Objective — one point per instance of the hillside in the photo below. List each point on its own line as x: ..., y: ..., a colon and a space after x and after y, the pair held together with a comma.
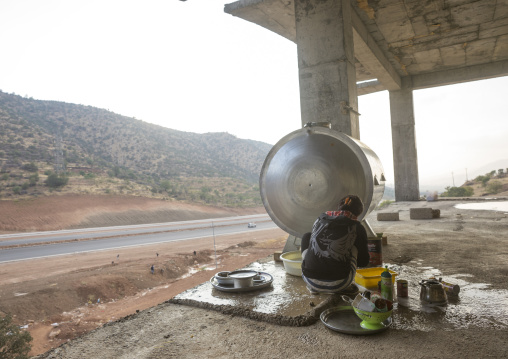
x: 99, y: 152
x: 492, y: 183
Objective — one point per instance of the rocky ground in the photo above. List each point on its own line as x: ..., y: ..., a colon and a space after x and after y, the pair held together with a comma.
x: 460, y: 242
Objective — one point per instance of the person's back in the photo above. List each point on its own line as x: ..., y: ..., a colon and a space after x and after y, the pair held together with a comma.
x: 334, y: 248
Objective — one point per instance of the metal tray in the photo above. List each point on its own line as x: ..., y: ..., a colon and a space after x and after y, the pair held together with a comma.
x: 266, y: 281
x: 343, y: 319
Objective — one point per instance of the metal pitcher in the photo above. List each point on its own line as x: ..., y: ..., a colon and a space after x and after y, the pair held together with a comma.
x: 432, y: 292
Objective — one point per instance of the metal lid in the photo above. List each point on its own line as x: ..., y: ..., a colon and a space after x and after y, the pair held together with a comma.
x: 309, y: 170
x: 241, y: 274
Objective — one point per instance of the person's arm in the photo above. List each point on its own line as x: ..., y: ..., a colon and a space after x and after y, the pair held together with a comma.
x: 305, y: 241
x: 361, y: 244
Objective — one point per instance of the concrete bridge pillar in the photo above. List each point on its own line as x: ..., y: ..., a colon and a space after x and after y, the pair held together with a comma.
x: 405, y: 159
x: 326, y: 63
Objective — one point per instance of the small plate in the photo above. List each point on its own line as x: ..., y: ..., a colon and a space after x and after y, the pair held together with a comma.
x: 343, y: 319
x: 265, y: 280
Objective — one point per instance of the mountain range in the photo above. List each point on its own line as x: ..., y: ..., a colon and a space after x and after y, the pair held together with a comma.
x: 57, y: 137
x: 106, y: 153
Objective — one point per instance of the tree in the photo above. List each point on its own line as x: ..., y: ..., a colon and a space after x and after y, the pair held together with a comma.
x: 483, y: 179
x: 494, y: 187
x: 458, y: 192
x: 30, y: 167
x: 55, y: 180
x: 166, y: 185
x: 14, y: 343
x: 33, y: 179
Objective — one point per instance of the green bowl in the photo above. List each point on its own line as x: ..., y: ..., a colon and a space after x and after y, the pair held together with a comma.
x: 372, y: 320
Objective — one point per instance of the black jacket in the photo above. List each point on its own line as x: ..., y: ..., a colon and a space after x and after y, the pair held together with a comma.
x: 333, y: 243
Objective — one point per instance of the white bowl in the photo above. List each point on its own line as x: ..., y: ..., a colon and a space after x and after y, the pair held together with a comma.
x: 292, y: 262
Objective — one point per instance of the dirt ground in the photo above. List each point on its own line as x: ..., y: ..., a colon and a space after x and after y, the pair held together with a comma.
x: 58, y: 299
x: 49, y: 213
x: 81, y: 292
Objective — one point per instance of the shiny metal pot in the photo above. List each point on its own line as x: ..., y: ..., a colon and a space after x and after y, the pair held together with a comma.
x: 309, y: 170
x: 432, y: 292
x: 243, y: 278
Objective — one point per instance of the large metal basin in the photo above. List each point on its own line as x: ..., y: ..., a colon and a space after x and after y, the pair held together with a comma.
x: 309, y: 170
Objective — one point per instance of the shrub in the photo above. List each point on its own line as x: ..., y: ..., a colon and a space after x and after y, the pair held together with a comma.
x: 383, y: 204
x: 30, y: 167
x: 494, y: 187
x: 458, y: 192
x: 54, y: 180
x: 14, y: 343
x: 483, y: 179
x: 33, y: 179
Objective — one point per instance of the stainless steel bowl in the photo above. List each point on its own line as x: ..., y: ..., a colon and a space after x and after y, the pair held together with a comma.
x: 223, y: 278
x: 243, y: 278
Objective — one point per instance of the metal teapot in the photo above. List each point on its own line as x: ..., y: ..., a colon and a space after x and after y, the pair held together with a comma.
x: 432, y: 292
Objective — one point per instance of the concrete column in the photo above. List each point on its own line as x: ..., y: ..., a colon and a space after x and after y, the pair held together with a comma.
x: 405, y: 159
x: 326, y: 63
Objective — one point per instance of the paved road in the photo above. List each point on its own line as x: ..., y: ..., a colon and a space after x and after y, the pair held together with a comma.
x: 36, y: 245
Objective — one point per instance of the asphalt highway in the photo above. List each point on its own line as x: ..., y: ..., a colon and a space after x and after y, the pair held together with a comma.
x: 24, y: 246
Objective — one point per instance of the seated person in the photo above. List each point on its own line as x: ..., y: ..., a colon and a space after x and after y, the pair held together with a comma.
x: 334, y: 249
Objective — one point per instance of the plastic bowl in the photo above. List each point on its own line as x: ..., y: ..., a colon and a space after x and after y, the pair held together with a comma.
x: 292, y: 262
x: 372, y: 320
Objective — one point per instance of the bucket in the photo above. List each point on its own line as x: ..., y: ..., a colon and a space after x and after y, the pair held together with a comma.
x: 375, y: 248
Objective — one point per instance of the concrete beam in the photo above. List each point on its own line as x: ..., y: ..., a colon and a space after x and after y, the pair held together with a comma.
x: 275, y: 15
x: 279, y: 17
x: 371, y: 57
x: 367, y: 87
x: 460, y: 75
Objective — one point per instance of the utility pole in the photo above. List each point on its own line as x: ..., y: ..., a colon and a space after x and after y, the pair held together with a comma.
x: 466, y: 175
x: 453, y: 180
x: 214, y: 248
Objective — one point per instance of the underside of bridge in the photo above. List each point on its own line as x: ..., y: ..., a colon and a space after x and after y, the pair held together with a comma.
x: 348, y: 48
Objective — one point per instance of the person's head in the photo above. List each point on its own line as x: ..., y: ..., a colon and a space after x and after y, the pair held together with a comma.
x: 352, y: 204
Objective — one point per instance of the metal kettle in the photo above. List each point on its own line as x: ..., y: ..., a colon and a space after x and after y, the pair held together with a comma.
x: 432, y: 292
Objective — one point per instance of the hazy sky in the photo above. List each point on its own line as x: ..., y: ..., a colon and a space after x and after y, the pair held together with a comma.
x: 191, y: 67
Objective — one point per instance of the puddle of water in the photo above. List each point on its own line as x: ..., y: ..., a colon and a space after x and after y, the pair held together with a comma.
x: 500, y: 206
x: 287, y: 296
x: 476, y: 305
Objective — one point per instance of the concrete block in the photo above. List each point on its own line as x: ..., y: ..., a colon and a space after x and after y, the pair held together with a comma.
x: 388, y: 216
x: 436, y: 213
x: 420, y: 213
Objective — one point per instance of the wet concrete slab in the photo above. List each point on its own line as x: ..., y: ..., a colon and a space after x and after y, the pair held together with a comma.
x: 288, y: 302
x: 476, y: 305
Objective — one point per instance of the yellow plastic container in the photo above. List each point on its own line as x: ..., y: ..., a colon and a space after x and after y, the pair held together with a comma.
x: 369, y: 277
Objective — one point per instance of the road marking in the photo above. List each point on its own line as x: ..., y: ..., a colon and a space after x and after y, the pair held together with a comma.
x: 135, y: 245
